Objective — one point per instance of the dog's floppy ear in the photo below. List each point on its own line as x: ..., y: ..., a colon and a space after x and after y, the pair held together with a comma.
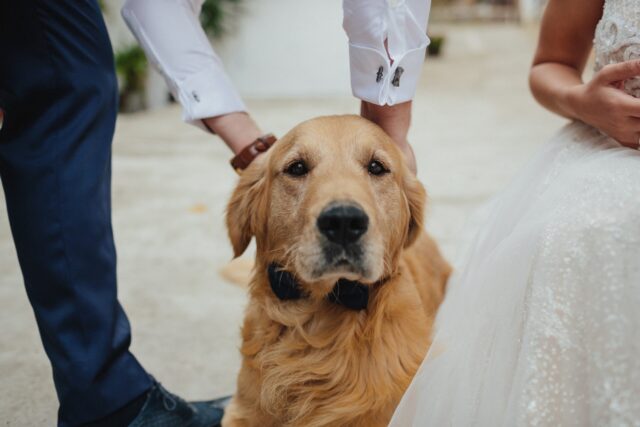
x: 244, y: 207
x: 416, y: 198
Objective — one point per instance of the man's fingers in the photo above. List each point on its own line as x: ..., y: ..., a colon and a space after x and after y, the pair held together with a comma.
x: 618, y: 72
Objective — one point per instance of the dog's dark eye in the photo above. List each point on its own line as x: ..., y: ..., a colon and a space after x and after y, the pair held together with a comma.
x: 377, y: 168
x: 298, y: 168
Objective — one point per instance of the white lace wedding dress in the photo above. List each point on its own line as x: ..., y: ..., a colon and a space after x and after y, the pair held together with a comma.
x: 541, y: 324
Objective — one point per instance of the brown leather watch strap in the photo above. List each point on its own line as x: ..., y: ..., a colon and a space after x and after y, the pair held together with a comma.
x: 244, y: 158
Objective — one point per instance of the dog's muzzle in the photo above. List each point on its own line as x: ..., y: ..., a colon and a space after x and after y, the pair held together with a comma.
x: 342, y: 226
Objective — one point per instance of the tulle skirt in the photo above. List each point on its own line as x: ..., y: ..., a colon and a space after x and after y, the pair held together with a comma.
x: 541, y: 323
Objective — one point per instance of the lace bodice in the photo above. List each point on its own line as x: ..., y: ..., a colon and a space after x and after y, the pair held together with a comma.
x: 618, y: 37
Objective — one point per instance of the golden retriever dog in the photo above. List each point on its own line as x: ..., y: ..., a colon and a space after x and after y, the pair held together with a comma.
x: 346, y: 283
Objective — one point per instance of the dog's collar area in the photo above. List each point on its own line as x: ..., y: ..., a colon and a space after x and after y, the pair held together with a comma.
x: 350, y: 294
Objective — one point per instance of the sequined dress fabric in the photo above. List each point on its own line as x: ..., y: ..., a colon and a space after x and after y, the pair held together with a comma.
x: 618, y: 37
x: 541, y: 323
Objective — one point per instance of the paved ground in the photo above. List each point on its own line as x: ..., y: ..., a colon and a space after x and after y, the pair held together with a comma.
x: 474, y: 126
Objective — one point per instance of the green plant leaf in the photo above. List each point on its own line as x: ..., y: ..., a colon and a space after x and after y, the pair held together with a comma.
x: 214, y: 15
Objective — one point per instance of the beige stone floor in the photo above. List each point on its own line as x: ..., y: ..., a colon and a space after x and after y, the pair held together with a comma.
x: 474, y: 127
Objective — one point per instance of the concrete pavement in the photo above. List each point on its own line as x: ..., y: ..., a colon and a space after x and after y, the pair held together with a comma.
x: 475, y: 125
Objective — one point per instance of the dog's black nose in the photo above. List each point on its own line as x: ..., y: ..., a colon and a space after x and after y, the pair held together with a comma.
x: 343, y: 224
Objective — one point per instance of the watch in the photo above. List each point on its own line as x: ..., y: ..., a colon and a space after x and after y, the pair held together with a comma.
x: 244, y: 158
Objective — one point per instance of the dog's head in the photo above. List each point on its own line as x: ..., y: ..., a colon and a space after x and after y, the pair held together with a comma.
x: 332, y: 199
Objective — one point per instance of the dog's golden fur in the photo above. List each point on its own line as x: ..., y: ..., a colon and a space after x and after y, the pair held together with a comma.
x: 310, y: 362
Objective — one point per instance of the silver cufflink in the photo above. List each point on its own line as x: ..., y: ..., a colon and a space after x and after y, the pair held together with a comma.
x: 379, y: 74
x: 396, y: 76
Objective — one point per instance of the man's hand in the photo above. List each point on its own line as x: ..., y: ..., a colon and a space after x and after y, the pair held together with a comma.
x: 395, y: 120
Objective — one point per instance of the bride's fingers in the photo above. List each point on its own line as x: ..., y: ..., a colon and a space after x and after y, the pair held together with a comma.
x: 629, y: 144
x: 617, y: 72
x: 630, y: 137
x: 630, y: 105
x: 633, y: 124
x: 636, y: 135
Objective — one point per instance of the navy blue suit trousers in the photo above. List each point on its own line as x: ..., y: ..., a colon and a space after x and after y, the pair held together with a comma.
x: 59, y: 93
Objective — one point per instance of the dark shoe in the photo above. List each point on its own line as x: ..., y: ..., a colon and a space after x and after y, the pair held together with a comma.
x: 163, y: 409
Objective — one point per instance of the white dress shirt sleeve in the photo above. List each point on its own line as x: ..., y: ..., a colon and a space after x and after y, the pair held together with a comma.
x: 386, y: 76
x: 170, y: 33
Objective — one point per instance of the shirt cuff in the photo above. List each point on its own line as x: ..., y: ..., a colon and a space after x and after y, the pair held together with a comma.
x: 374, y: 80
x: 208, y: 93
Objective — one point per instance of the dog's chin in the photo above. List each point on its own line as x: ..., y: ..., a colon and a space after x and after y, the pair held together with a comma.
x: 322, y: 271
x: 321, y: 265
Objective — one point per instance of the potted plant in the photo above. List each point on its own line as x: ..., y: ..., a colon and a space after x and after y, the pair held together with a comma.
x: 435, y: 47
x: 214, y: 14
x: 131, y: 67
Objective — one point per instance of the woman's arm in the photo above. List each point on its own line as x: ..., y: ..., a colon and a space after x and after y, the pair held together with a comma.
x: 565, y: 42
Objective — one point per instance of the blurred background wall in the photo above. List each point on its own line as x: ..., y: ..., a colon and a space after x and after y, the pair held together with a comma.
x: 287, y: 48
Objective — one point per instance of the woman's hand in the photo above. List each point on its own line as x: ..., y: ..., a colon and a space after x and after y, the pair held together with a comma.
x: 604, y: 105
